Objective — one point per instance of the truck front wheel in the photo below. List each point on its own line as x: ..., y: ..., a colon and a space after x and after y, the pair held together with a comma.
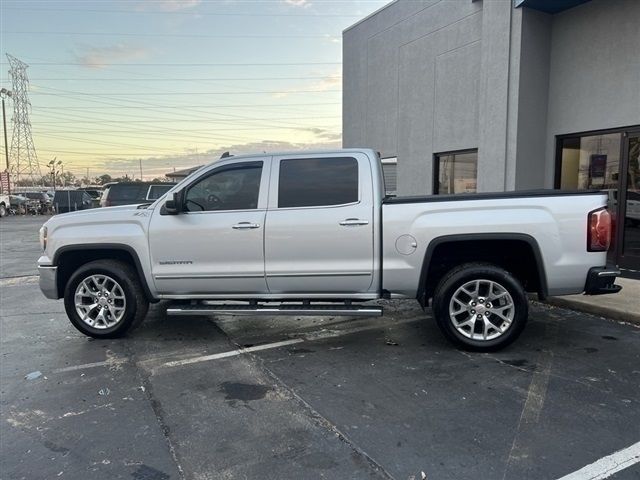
x: 480, y: 307
x: 104, y: 299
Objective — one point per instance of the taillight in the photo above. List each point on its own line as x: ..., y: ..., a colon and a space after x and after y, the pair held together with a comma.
x: 599, y: 230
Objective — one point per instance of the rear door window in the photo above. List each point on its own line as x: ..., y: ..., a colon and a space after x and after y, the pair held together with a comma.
x: 311, y: 182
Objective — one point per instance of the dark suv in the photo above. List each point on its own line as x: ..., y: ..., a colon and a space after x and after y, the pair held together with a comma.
x: 131, y: 193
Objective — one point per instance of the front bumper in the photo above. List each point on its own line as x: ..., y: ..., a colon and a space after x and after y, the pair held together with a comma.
x: 600, y: 281
x: 49, y: 281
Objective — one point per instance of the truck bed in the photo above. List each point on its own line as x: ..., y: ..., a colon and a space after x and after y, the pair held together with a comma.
x: 490, y: 196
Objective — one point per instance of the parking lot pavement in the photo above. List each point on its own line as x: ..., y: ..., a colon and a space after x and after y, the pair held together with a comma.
x: 282, y: 397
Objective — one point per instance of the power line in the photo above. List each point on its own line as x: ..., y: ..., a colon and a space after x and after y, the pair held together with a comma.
x: 199, y: 13
x: 191, y: 79
x: 255, y: 92
x: 284, y: 64
x: 181, y: 107
x: 175, y: 35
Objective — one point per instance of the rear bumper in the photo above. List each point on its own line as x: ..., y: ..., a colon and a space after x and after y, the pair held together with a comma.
x: 49, y: 281
x: 600, y: 281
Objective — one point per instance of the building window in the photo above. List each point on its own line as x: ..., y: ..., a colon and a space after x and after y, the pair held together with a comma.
x: 590, y: 161
x: 455, y: 172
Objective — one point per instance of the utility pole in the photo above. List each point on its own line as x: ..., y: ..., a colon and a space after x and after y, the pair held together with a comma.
x: 5, y: 93
x: 141, y: 177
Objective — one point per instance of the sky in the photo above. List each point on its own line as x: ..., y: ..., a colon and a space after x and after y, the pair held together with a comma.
x: 174, y: 83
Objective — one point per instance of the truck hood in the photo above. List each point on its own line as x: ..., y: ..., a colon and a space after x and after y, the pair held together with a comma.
x: 97, y: 215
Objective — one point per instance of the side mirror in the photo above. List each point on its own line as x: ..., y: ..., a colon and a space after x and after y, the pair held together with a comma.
x: 173, y: 206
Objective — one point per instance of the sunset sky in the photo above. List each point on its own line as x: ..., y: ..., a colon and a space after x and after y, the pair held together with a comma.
x: 177, y: 82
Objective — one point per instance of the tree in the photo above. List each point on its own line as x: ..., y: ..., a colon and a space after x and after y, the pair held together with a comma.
x: 102, y: 179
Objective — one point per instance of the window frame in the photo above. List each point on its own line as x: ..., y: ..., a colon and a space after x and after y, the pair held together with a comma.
x: 274, y: 204
x: 436, y: 168
x: 263, y: 163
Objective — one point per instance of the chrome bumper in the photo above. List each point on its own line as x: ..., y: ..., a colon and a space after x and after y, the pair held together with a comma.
x: 49, y: 281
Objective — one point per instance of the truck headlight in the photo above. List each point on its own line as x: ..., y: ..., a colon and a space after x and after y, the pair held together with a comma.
x: 43, y: 237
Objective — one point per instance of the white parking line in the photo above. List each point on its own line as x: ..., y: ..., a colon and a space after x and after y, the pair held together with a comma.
x: 105, y: 363
x: 607, y: 466
x: 308, y: 337
x: 232, y: 353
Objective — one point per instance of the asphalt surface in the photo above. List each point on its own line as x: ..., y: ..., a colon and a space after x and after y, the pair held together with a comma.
x: 338, y: 399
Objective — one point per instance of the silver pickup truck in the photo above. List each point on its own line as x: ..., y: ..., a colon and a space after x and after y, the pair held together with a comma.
x: 311, y: 233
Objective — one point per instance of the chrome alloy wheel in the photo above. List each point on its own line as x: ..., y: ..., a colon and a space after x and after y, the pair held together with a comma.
x: 100, y: 301
x: 481, y: 310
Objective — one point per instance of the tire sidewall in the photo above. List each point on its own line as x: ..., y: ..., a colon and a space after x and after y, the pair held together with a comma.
x: 129, y: 293
x: 452, y: 282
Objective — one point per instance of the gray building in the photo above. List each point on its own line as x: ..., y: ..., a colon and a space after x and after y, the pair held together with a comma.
x: 495, y: 95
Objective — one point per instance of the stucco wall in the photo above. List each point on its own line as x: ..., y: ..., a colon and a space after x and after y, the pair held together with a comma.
x: 594, y: 80
x: 435, y: 76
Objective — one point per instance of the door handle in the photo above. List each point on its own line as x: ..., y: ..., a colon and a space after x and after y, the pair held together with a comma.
x: 353, y: 222
x: 245, y: 226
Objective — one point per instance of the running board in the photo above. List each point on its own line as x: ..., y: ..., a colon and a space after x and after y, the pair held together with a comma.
x: 288, y: 309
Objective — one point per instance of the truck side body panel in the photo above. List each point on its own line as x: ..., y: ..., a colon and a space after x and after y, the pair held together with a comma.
x: 557, y: 223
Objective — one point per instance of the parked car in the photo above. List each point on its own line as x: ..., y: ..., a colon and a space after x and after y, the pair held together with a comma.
x: 71, y: 200
x: 313, y: 234
x: 19, y: 204
x: 5, y: 205
x: 41, y: 201
x: 132, y: 193
x: 95, y: 195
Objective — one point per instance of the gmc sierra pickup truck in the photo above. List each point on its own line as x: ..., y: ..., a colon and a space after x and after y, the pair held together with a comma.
x: 313, y: 234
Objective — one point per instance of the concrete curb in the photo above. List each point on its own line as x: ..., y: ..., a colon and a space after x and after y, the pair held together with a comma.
x: 601, y: 311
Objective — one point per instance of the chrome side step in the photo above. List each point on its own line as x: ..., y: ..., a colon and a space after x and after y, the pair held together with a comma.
x: 281, y: 309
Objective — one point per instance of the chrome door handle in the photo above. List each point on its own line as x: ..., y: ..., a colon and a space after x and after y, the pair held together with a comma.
x: 353, y: 222
x: 245, y: 226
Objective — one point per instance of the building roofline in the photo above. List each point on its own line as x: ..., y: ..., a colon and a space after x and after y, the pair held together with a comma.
x: 373, y: 14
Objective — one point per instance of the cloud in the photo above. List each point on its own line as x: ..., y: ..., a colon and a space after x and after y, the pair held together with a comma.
x: 99, y: 57
x: 168, y: 5
x: 325, y: 135
x: 158, y: 166
x: 298, y: 3
x: 331, y: 82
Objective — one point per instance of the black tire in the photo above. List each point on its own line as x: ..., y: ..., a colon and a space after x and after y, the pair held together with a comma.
x: 135, y: 308
x: 3, y: 210
x: 457, y: 278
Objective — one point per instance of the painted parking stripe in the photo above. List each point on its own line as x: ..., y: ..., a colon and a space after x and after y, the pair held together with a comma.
x: 308, y: 337
x: 607, y: 466
x: 84, y: 366
x: 232, y: 353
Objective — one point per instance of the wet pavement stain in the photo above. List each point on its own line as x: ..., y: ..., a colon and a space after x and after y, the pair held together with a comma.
x: 609, y: 337
x: 144, y: 472
x: 299, y: 350
x: 244, y: 392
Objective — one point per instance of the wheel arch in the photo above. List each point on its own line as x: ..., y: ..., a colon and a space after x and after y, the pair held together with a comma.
x: 497, y: 248
x: 70, y: 257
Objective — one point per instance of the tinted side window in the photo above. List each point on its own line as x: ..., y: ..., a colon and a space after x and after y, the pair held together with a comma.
x: 309, y: 182
x: 230, y: 188
x: 128, y: 192
x: 156, y: 191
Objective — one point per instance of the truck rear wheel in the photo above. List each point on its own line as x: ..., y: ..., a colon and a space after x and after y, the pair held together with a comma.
x: 480, y: 307
x: 104, y: 299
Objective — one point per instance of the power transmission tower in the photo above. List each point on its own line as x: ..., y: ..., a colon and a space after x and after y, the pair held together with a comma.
x: 24, y: 160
